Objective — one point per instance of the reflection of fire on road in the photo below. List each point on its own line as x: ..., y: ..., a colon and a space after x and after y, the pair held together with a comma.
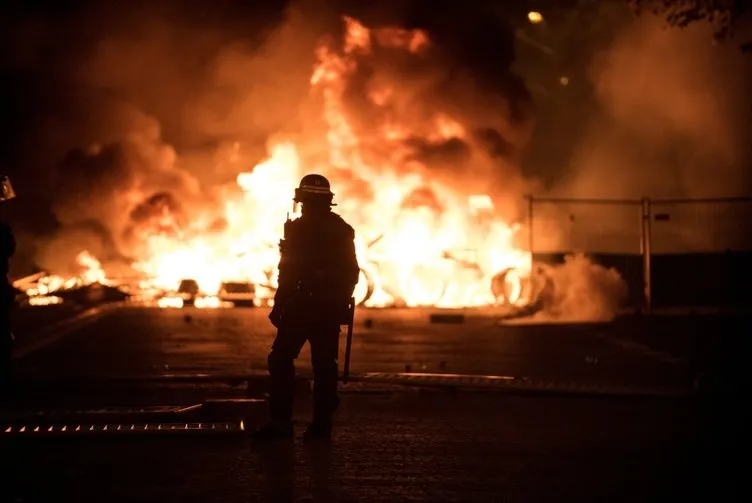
x: 420, y: 238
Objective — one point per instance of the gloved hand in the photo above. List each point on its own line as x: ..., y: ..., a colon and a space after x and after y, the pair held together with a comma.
x: 342, y: 293
x: 275, y: 316
x: 340, y: 305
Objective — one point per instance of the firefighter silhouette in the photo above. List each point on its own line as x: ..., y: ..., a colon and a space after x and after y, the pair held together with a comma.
x: 7, y: 249
x: 318, y: 271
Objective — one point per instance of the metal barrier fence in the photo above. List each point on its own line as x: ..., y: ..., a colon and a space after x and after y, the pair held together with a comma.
x: 700, y: 225
x: 639, y: 227
x: 591, y: 225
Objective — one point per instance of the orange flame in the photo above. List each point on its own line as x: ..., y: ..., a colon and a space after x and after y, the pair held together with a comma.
x: 93, y: 272
x: 420, y: 241
x: 40, y: 290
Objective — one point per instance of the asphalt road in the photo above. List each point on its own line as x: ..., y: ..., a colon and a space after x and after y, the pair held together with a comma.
x: 145, y: 341
x: 391, y: 443
x: 399, y: 447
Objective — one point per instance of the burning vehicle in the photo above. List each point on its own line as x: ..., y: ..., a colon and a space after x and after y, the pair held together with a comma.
x: 188, y: 291
x: 239, y: 293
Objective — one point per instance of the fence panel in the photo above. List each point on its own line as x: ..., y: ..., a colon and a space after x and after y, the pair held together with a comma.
x: 609, y: 231
x: 701, y: 225
x: 590, y: 226
x: 701, y: 252
x: 671, y: 253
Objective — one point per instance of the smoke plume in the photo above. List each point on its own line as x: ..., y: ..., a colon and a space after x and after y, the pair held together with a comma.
x: 674, y: 120
x: 137, y: 121
x: 671, y: 121
x: 577, y: 291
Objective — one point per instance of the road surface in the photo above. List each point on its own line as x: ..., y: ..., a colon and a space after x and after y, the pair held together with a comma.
x: 142, y: 341
x: 392, y: 443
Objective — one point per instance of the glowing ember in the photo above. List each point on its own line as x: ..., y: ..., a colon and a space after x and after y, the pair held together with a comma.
x: 45, y: 300
x: 39, y: 287
x: 173, y: 302
x: 419, y: 240
x: 49, y: 284
x: 208, y: 302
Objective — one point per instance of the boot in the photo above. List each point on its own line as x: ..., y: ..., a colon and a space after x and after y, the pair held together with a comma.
x: 318, y: 430
x: 274, y: 431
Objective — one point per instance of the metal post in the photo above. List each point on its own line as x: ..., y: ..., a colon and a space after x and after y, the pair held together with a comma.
x: 348, y: 346
x: 530, y: 242
x: 645, y: 248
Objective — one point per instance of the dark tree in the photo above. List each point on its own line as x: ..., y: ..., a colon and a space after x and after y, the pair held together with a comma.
x: 726, y: 16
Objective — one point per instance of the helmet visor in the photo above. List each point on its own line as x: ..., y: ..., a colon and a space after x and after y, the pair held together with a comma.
x: 304, y: 195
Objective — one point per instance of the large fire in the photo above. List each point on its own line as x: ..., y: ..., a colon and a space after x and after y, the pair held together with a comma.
x: 420, y: 240
x: 90, y: 271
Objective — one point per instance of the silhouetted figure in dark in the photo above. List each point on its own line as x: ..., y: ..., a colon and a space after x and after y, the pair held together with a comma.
x: 7, y: 294
x: 318, y: 271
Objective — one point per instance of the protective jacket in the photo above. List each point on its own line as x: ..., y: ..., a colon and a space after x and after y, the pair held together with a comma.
x: 318, y: 267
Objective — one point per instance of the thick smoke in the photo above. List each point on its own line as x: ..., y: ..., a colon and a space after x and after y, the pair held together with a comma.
x: 673, y: 121
x: 580, y: 290
x: 141, y: 123
x: 138, y: 120
x: 577, y: 291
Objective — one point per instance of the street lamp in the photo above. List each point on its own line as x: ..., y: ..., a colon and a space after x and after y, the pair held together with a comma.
x: 535, y: 17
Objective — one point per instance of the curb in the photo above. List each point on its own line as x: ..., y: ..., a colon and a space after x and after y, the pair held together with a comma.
x: 506, y: 383
x: 456, y: 381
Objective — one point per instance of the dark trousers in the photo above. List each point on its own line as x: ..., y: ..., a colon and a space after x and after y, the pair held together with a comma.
x: 324, y: 341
